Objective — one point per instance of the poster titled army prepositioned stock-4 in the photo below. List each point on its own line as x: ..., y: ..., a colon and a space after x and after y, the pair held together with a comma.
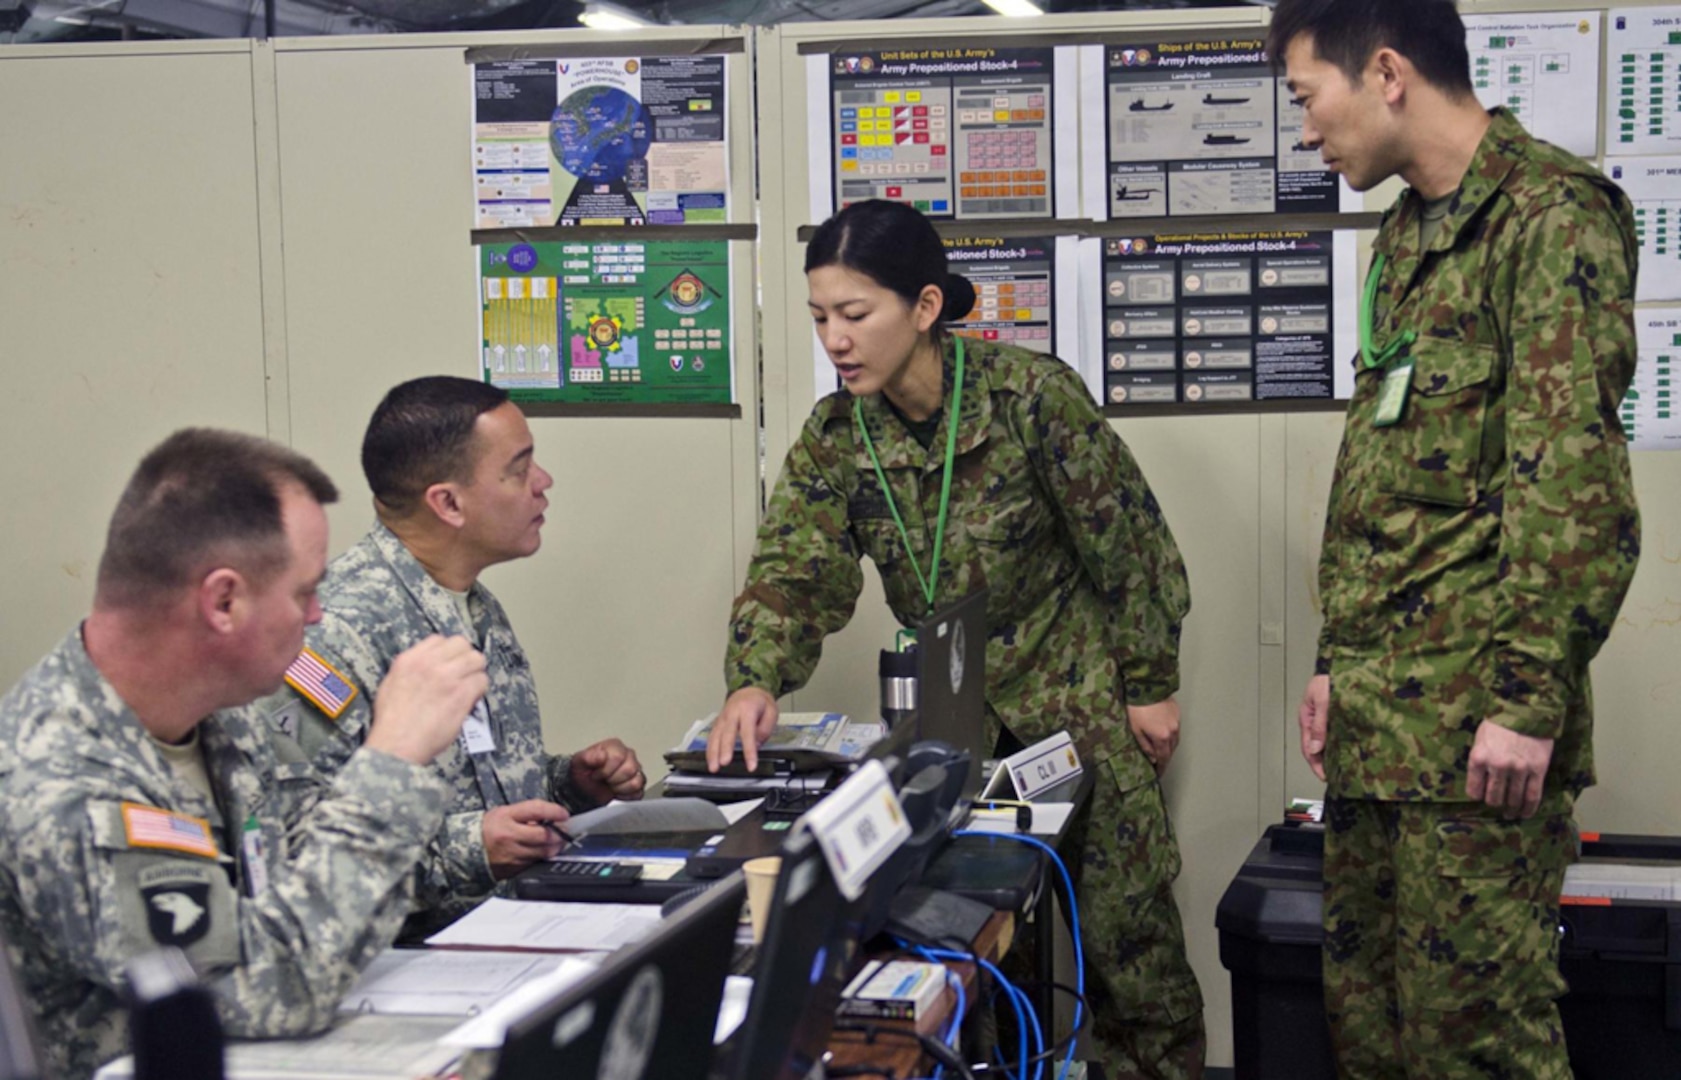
x: 602, y: 140
x: 1227, y: 317
x: 607, y: 321
x: 1199, y: 128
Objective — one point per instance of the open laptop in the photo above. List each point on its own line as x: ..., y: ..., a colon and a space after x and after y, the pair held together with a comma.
x: 809, y: 952
x: 648, y: 1012
x: 951, y: 681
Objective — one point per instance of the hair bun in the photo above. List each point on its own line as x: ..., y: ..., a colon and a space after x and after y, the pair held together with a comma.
x: 960, y: 298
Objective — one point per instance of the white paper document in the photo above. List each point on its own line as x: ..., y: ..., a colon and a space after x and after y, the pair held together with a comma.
x: 545, y: 926
x: 1653, y: 184
x: 357, y: 1048
x: 489, y: 1029
x: 441, y: 982
x: 1651, y: 410
x: 1544, y: 67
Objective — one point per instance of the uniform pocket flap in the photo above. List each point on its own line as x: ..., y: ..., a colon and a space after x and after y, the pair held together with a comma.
x: 1442, y: 366
x: 1492, y: 848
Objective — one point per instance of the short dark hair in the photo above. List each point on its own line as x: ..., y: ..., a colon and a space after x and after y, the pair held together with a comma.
x: 422, y: 434
x: 894, y: 246
x: 1346, y: 33
x: 202, y: 497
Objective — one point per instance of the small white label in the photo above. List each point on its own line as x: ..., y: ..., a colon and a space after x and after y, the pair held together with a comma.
x: 475, y: 731
x: 256, y: 860
x: 858, y: 827
x: 1043, y: 765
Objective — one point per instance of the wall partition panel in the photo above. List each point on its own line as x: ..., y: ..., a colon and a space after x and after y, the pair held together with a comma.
x: 131, y: 294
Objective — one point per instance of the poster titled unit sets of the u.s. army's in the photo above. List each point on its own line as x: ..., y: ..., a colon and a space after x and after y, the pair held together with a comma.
x: 604, y: 140
x: 1544, y: 67
x: 954, y: 132
x: 1205, y: 127
x: 1232, y: 316
x: 607, y: 321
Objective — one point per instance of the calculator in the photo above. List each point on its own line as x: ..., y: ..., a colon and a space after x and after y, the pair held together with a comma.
x: 595, y: 872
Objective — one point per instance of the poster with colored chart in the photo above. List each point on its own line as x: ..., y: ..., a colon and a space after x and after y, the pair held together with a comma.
x: 607, y: 321
x: 1652, y: 409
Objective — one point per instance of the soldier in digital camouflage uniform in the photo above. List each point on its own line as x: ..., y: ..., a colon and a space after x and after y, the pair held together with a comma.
x: 457, y: 488
x: 139, y: 808
x: 1481, y: 533
x: 1050, y: 513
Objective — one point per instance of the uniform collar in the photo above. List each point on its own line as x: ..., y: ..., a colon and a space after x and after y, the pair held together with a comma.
x: 433, y: 599
x: 1502, y: 148
x: 111, y: 720
x: 893, y: 441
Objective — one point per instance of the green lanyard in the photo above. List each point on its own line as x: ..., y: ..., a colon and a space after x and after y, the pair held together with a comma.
x: 1368, y: 315
x: 928, y: 583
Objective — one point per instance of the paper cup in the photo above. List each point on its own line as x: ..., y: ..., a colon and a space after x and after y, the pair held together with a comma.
x: 761, y: 886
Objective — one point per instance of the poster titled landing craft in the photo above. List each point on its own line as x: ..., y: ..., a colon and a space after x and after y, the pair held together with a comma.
x: 603, y: 140
x: 1205, y: 127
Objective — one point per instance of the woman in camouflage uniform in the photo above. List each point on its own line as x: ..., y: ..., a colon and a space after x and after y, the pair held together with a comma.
x: 1048, y: 511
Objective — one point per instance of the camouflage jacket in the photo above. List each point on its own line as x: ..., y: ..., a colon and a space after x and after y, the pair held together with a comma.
x: 1048, y: 511
x: 1476, y: 551
x: 377, y: 600
x: 280, y: 892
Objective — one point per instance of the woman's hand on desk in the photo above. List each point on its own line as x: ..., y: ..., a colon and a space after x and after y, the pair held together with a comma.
x: 749, y: 714
x: 519, y: 835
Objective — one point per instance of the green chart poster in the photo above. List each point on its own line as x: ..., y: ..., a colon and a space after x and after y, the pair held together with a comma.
x: 607, y: 321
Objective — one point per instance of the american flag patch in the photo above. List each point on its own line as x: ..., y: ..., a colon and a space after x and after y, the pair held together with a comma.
x: 321, y: 683
x: 149, y: 827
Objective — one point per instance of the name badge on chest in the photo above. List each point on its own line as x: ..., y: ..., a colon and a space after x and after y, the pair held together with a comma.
x: 1392, y: 395
x: 476, y: 736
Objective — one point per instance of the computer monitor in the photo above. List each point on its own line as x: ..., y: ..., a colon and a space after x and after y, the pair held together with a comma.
x: 648, y: 1013
x: 951, y: 681
x: 809, y: 952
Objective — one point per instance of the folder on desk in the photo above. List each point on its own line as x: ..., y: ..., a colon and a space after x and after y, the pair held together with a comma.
x: 801, y: 743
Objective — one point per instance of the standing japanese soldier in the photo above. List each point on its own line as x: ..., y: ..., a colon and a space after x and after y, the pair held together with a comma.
x: 1481, y: 533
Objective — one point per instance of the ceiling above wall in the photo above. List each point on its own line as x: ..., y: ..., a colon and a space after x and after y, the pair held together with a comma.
x: 26, y: 21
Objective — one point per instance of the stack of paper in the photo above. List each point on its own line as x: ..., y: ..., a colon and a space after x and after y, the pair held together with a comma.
x: 548, y: 927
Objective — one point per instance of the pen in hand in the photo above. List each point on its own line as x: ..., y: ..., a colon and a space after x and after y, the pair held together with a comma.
x: 560, y: 832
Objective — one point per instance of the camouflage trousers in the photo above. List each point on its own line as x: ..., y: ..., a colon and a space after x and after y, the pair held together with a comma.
x: 1441, y: 940
x: 1146, y: 1006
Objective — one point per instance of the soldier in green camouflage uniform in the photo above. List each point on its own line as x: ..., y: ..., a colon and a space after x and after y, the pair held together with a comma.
x: 1481, y: 533
x: 380, y: 597
x: 132, y: 818
x: 1086, y: 592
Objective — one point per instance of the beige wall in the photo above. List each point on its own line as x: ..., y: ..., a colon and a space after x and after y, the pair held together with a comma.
x: 267, y: 237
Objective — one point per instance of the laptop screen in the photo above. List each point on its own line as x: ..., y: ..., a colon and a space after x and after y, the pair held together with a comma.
x: 648, y: 1012
x: 951, y: 681
x: 809, y: 952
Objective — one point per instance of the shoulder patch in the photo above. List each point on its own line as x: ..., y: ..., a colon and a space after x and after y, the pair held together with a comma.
x: 323, y: 684
x: 149, y: 827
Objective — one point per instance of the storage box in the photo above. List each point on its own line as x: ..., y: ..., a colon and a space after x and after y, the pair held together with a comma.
x: 1622, y: 959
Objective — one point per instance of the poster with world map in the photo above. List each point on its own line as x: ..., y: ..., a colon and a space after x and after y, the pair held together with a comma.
x: 600, y: 140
